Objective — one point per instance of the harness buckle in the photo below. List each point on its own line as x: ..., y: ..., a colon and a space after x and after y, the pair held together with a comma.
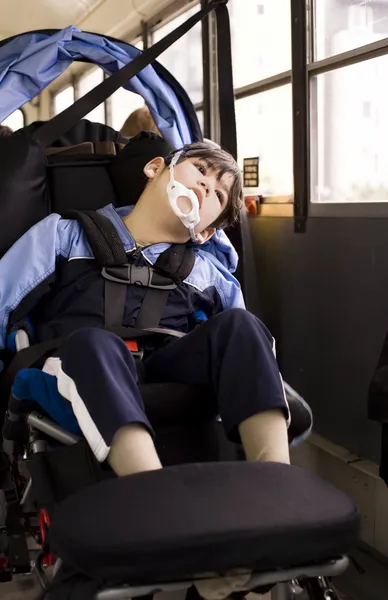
x: 142, y: 276
x: 134, y: 348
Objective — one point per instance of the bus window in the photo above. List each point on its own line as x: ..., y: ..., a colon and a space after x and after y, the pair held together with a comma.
x: 63, y: 99
x: 86, y: 83
x: 269, y: 116
x: 184, y: 58
x: 15, y: 121
x: 261, y: 39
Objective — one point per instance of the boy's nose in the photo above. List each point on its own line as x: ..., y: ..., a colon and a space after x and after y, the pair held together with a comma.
x: 206, y: 187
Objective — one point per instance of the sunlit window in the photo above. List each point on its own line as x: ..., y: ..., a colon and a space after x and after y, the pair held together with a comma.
x: 342, y: 26
x: 15, y: 121
x: 261, y: 39
x: 63, y: 99
x: 264, y: 129
x: 184, y: 58
x: 85, y: 84
x: 349, y: 149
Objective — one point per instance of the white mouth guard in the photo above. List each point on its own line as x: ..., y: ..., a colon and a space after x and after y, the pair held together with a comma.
x: 176, y: 190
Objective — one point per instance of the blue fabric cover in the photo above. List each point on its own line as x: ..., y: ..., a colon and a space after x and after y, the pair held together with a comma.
x: 34, y: 384
x: 30, y: 62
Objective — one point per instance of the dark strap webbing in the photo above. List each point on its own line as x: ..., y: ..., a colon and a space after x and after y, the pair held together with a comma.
x: 27, y: 357
x: 115, y: 295
x: 102, y: 236
x: 176, y: 262
x: 108, y: 251
x: 61, y: 123
x: 383, y: 470
x: 225, y: 82
x: 126, y: 333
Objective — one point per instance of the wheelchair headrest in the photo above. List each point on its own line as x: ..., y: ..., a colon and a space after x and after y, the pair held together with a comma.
x: 88, y: 168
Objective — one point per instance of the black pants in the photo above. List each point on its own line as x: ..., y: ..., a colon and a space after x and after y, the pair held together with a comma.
x: 232, y: 353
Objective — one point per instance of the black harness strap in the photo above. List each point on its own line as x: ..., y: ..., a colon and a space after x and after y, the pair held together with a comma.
x: 169, y: 271
x: 177, y: 263
x: 30, y: 356
x: 225, y: 82
x: 102, y: 236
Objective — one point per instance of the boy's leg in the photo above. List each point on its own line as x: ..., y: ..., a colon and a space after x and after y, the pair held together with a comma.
x: 96, y: 373
x: 233, y: 354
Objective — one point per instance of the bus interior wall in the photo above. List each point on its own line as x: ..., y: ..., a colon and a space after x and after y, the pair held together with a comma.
x: 324, y: 296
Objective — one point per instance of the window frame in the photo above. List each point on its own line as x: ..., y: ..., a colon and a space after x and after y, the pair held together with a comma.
x: 320, y: 67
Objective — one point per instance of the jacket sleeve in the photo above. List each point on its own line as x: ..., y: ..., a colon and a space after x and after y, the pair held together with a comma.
x: 230, y: 292
x: 28, y: 263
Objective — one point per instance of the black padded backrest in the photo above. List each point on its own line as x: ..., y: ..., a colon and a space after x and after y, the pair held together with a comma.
x: 23, y: 187
x: 90, y: 181
x: 80, y: 182
x: 33, y: 185
x: 126, y: 170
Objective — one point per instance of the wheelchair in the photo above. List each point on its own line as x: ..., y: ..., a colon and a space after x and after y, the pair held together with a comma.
x: 206, y: 514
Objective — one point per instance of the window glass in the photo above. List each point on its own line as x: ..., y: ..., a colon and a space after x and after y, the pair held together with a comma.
x: 63, y: 99
x: 261, y: 39
x: 86, y: 83
x: 184, y: 58
x: 264, y: 129
x: 342, y: 26
x: 349, y: 149
x: 15, y: 120
x: 122, y: 104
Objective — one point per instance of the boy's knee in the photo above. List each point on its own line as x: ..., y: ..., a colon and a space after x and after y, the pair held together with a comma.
x: 92, y: 338
x: 240, y: 322
x: 236, y: 318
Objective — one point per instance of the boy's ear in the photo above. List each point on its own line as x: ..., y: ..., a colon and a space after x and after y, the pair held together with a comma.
x: 205, y: 235
x: 153, y: 167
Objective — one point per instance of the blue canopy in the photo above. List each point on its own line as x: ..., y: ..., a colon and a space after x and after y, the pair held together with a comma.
x: 30, y: 62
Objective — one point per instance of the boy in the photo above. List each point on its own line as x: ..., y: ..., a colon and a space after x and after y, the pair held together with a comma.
x: 191, y: 194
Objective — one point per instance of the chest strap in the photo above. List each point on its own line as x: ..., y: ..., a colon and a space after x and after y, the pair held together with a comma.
x: 169, y: 271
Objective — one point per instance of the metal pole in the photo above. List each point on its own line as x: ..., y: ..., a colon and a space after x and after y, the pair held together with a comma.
x: 300, y: 113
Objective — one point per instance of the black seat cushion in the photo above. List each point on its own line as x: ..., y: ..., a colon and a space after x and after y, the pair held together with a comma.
x: 185, y: 520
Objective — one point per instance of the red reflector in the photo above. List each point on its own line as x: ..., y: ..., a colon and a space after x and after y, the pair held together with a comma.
x: 132, y: 346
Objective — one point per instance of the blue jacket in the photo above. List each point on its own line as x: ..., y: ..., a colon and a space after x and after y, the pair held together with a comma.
x: 50, y: 275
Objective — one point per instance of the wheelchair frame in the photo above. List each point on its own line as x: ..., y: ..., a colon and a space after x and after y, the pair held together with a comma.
x: 313, y: 581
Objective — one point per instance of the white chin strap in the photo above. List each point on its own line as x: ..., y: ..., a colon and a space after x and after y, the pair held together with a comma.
x: 176, y: 190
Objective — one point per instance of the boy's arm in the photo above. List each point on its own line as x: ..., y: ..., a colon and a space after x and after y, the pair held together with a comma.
x: 27, y: 269
x: 229, y: 291
x: 231, y: 294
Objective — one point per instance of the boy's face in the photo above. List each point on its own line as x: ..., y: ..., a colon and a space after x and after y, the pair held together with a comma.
x: 193, y: 173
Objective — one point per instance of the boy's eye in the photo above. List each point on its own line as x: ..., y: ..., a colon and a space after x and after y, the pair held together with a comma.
x: 219, y: 196
x: 201, y: 168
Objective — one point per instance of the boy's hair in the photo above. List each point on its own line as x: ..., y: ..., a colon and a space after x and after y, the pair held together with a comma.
x: 222, y: 162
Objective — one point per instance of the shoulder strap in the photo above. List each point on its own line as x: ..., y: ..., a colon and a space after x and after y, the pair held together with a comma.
x: 102, y: 236
x: 225, y: 82
x: 176, y: 262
